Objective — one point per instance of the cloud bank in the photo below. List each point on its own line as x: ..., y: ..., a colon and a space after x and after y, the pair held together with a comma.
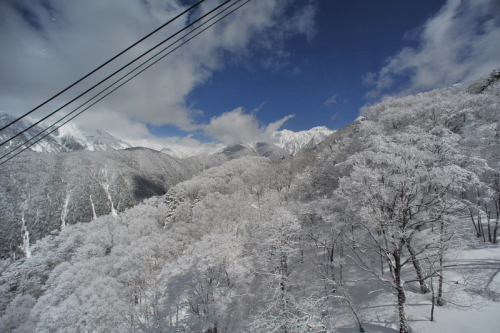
x: 460, y: 43
x: 48, y: 44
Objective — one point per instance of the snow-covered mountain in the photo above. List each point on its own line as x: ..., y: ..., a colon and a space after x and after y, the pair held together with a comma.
x: 75, y: 137
x: 265, y: 149
x: 295, y: 141
x: 281, y: 143
x: 68, y: 138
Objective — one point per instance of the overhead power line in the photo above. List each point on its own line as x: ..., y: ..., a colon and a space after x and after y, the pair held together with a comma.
x: 102, y: 66
x: 114, y: 73
x: 123, y: 83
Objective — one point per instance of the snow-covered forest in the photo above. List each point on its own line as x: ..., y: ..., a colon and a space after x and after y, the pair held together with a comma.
x: 42, y: 192
x: 374, y: 217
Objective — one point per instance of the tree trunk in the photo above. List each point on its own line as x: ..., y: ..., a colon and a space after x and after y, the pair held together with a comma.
x: 439, y: 300
x: 480, y: 225
x: 433, y: 300
x: 331, y: 264
x: 403, y: 323
x: 418, y: 269
x: 479, y: 220
x: 495, y: 230
x: 488, y: 217
x: 341, y: 262
x: 478, y: 233
x: 497, y: 208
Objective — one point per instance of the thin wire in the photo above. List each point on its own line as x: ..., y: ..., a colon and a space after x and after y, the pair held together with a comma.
x: 76, y: 115
x: 124, y: 76
x: 116, y: 72
x: 101, y: 66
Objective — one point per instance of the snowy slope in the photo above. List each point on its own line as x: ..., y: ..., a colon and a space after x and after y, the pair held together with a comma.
x: 75, y: 137
x: 68, y: 138
x: 48, y: 144
x: 55, y: 189
x: 273, y: 152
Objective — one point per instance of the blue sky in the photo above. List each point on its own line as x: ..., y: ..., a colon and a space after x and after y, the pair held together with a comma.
x: 291, y: 64
x: 352, y: 38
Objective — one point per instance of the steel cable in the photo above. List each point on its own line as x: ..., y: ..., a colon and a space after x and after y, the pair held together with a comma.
x: 114, y: 73
x: 103, y: 65
x: 163, y: 56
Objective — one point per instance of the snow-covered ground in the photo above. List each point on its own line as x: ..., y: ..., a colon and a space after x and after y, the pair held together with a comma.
x: 472, y: 290
x: 478, y: 308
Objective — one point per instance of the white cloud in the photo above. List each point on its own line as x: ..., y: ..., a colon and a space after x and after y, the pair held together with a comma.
x: 233, y: 127
x: 331, y: 100
x: 47, y: 45
x: 460, y: 43
x: 115, y: 124
x: 237, y: 126
x: 273, y: 127
x: 188, y: 141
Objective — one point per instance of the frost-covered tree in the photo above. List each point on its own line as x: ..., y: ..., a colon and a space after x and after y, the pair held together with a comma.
x: 274, y: 248
x: 394, y: 191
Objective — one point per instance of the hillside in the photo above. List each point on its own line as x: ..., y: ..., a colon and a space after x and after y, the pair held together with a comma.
x: 387, y: 222
x: 42, y: 192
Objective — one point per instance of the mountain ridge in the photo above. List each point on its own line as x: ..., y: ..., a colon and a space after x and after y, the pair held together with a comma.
x: 280, y: 143
x: 72, y: 137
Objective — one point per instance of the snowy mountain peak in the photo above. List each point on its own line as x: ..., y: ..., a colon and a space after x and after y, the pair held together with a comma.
x: 75, y: 137
x: 294, y: 141
x: 69, y: 137
x: 279, y: 144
